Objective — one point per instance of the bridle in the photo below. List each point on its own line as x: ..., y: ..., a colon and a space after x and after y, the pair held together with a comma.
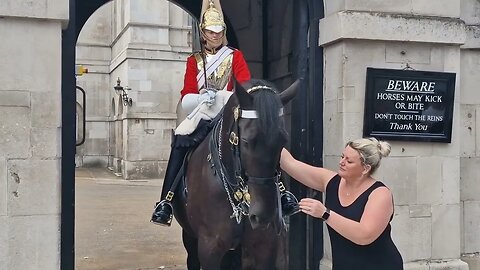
x: 237, y: 188
x: 233, y: 139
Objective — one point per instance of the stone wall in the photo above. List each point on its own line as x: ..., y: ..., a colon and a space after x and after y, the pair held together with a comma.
x: 436, y: 206
x: 435, y: 185
x: 30, y: 131
x: 94, y: 52
x: 470, y: 134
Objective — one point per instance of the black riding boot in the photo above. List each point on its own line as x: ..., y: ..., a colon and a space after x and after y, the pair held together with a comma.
x: 288, y: 200
x: 162, y: 215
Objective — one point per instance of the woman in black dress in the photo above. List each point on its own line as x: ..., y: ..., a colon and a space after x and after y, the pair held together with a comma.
x: 357, y: 210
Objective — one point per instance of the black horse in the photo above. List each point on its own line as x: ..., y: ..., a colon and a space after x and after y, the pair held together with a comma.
x: 229, y: 207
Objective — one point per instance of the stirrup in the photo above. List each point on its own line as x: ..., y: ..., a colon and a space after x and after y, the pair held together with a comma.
x: 157, y: 219
x: 162, y: 202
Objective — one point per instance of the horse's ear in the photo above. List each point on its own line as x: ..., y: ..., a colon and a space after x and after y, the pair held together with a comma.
x: 289, y: 93
x: 245, y: 85
x: 244, y: 98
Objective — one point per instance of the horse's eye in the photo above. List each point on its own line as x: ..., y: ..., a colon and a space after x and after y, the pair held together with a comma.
x: 245, y: 141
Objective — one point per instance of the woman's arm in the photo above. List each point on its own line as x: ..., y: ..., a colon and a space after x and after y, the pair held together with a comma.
x: 375, y: 218
x: 311, y: 176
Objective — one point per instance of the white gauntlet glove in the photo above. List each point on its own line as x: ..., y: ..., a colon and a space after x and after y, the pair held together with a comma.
x: 191, y: 101
x: 209, y: 97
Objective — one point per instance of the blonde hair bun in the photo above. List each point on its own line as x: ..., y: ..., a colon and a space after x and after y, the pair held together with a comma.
x: 384, y: 147
x: 371, y: 151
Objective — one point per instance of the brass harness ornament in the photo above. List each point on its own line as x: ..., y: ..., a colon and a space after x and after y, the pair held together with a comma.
x: 241, y: 195
x: 233, y: 136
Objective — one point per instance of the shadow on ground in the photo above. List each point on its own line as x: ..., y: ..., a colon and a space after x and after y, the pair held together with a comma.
x: 113, y: 231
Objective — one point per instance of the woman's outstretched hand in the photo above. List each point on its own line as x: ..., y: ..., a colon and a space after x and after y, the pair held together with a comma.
x: 312, y: 207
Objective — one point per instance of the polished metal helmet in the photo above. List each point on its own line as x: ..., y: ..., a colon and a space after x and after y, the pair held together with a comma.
x: 212, y: 18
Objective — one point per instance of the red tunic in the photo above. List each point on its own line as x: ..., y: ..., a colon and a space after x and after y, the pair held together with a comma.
x: 239, y: 70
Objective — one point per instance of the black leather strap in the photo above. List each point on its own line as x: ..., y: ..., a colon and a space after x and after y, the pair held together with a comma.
x: 326, y: 214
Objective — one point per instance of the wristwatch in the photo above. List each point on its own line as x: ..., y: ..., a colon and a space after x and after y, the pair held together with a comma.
x: 326, y: 214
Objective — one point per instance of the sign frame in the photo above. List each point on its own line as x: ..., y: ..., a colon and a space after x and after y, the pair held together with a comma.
x: 405, y: 130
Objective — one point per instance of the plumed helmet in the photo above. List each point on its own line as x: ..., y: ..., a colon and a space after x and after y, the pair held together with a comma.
x: 212, y: 19
x: 212, y: 16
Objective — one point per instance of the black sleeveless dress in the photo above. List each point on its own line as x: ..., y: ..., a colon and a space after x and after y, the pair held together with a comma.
x: 382, y: 254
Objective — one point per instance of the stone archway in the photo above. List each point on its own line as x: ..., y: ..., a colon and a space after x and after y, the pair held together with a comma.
x: 142, y: 46
x: 252, y: 33
x: 108, y: 111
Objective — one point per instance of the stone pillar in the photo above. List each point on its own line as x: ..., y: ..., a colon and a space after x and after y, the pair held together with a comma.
x: 424, y: 177
x: 470, y: 133
x: 30, y: 131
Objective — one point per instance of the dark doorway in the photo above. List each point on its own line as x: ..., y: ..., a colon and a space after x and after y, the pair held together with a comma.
x: 280, y: 40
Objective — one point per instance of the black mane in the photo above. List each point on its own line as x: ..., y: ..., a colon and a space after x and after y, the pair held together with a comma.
x: 268, y: 106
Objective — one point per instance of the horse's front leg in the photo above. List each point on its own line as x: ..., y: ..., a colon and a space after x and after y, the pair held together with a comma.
x: 259, y: 249
x: 191, y: 245
x: 266, y: 260
x: 210, y: 253
x: 232, y: 260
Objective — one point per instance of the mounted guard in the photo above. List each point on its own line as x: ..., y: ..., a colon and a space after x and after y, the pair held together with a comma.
x: 208, y: 85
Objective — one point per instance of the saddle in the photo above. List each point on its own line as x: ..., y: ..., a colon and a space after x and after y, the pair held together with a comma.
x: 191, y: 141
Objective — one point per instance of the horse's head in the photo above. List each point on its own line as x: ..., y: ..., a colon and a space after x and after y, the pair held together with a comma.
x: 259, y: 134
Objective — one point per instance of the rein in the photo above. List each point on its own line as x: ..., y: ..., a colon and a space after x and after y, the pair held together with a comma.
x: 237, y: 188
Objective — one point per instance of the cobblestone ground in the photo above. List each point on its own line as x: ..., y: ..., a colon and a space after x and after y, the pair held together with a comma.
x: 113, y: 231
